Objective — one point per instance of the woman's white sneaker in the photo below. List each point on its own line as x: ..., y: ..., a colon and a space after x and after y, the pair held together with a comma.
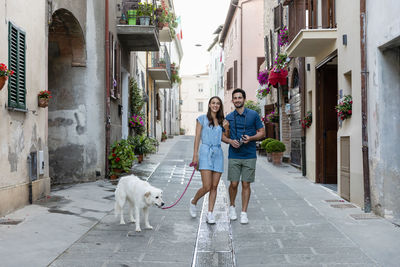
x: 210, y: 218
x: 243, y: 218
x: 192, y: 209
x: 232, y: 213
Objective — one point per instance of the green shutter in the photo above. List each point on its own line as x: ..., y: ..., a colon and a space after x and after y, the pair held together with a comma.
x: 16, y: 62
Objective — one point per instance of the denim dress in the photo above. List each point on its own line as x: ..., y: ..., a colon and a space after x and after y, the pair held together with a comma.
x: 211, y: 156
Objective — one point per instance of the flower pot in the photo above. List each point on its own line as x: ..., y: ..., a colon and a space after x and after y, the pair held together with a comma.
x: 131, y: 14
x: 43, y: 102
x: 278, y: 76
x: 140, y: 158
x: 269, y: 157
x: 160, y: 25
x: 144, y: 20
x: 3, y: 80
x: 277, y: 158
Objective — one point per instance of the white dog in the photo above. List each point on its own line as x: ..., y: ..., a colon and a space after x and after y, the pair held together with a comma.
x: 140, y: 195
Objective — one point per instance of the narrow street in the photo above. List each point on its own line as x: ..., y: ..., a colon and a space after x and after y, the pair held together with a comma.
x: 292, y: 223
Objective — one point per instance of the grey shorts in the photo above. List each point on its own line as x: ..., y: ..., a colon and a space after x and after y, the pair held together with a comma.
x: 242, y: 170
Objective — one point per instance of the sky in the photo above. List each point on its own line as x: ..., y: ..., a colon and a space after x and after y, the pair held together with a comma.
x: 199, y: 20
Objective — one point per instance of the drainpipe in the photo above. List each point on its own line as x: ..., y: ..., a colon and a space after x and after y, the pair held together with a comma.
x: 108, y: 118
x: 302, y: 83
x: 364, y: 106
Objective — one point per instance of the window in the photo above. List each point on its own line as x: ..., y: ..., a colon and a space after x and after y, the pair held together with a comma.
x: 16, y: 62
x: 200, y: 106
x: 278, y: 12
x: 200, y: 87
x: 260, y: 61
x: 229, y: 79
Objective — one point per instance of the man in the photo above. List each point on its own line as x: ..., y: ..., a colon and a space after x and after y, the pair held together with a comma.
x: 245, y: 127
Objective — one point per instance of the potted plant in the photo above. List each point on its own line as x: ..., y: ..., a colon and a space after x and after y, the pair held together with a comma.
x: 136, y: 122
x: 141, y: 145
x: 307, y: 120
x: 145, y: 12
x: 164, y: 136
x: 43, y: 98
x: 344, y: 109
x: 264, y: 144
x: 121, y: 157
x: 272, y: 117
x: 263, y: 92
x: 4, y: 74
x: 161, y: 63
x: 276, y: 148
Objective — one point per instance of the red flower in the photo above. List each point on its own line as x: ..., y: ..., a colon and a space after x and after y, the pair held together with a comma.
x: 113, y: 154
x: 117, y: 159
x: 349, y: 111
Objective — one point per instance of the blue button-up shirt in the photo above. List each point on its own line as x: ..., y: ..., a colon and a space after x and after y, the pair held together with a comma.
x: 246, y: 123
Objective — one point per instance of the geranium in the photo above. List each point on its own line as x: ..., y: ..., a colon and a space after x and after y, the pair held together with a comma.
x: 121, y: 156
x: 307, y: 120
x: 136, y: 121
x: 263, y: 92
x: 4, y: 72
x: 344, y: 108
x: 283, y: 37
x: 271, y: 117
x: 263, y: 77
x: 45, y: 94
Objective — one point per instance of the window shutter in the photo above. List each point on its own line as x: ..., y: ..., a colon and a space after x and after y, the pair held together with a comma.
x: 266, y: 51
x: 278, y: 12
x: 16, y: 57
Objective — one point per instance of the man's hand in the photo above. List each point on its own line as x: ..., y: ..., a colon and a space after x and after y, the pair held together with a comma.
x: 234, y: 143
x: 246, y: 138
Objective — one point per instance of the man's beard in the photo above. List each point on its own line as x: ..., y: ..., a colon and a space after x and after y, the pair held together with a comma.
x: 239, y: 105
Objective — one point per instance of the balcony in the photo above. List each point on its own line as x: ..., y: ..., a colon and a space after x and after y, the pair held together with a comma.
x: 132, y: 35
x: 308, y: 36
x: 311, y: 42
x: 160, y: 68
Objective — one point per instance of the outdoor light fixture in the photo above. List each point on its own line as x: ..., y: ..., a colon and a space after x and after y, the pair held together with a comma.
x: 344, y: 39
x: 308, y: 67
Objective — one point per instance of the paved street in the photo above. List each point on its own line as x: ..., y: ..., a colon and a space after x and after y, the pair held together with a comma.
x: 292, y: 223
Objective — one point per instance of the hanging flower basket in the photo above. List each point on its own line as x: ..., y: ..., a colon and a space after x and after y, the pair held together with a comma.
x: 43, y: 98
x: 263, y: 92
x: 43, y: 102
x: 307, y: 120
x: 344, y: 109
x: 3, y: 80
x: 263, y: 77
x: 278, y: 76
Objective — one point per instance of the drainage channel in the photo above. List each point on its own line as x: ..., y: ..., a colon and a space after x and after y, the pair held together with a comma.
x: 214, y: 246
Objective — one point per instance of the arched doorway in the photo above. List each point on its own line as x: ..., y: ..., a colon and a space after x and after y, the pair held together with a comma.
x: 67, y: 109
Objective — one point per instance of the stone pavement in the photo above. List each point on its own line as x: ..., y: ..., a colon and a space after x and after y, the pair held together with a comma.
x: 293, y: 222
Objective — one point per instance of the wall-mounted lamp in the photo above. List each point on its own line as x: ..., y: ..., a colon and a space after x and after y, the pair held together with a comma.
x: 344, y: 39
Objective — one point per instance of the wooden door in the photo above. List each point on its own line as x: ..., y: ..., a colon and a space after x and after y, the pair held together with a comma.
x: 326, y: 123
x: 345, y: 167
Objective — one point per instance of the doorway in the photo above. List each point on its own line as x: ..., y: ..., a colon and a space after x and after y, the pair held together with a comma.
x: 326, y: 122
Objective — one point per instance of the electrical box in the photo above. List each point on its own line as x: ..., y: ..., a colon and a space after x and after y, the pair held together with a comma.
x: 41, y: 162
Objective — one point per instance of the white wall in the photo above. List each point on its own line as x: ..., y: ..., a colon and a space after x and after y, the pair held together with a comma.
x: 191, y: 97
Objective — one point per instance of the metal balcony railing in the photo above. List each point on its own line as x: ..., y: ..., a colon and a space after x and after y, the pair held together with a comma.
x: 161, y: 59
x: 133, y: 5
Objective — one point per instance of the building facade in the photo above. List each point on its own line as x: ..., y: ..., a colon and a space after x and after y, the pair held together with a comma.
x: 24, y: 144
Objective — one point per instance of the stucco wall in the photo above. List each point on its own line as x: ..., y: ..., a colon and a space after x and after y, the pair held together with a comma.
x: 383, y: 51
x: 23, y: 132
x: 191, y: 96
x: 76, y: 116
x: 349, y: 82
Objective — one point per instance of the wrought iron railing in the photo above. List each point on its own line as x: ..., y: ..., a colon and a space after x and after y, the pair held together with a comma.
x: 161, y: 59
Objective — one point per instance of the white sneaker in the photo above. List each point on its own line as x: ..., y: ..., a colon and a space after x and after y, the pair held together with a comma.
x: 210, y: 218
x: 192, y: 209
x: 232, y: 213
x: 243, y: 218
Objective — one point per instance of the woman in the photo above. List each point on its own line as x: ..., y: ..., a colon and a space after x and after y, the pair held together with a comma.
x: 209, y: 158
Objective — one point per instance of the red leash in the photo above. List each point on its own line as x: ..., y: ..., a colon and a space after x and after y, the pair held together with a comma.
x: 194, y: 170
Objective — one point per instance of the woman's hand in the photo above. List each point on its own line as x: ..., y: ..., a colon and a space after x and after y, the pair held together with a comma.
x: 195, y: 161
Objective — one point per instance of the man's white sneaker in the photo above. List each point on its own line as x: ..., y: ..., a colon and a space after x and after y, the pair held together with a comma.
x: 243, y: 218
x: 232, y: 213
x: 192, y: 209
x: 210, y: 218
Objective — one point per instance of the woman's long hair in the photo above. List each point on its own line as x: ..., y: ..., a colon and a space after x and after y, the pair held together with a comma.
x: 220, y: 113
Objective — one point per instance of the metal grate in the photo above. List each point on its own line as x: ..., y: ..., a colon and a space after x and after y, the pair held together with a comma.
x: 364, y: 216
x: 334, y: 200
x: 343, y: 206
